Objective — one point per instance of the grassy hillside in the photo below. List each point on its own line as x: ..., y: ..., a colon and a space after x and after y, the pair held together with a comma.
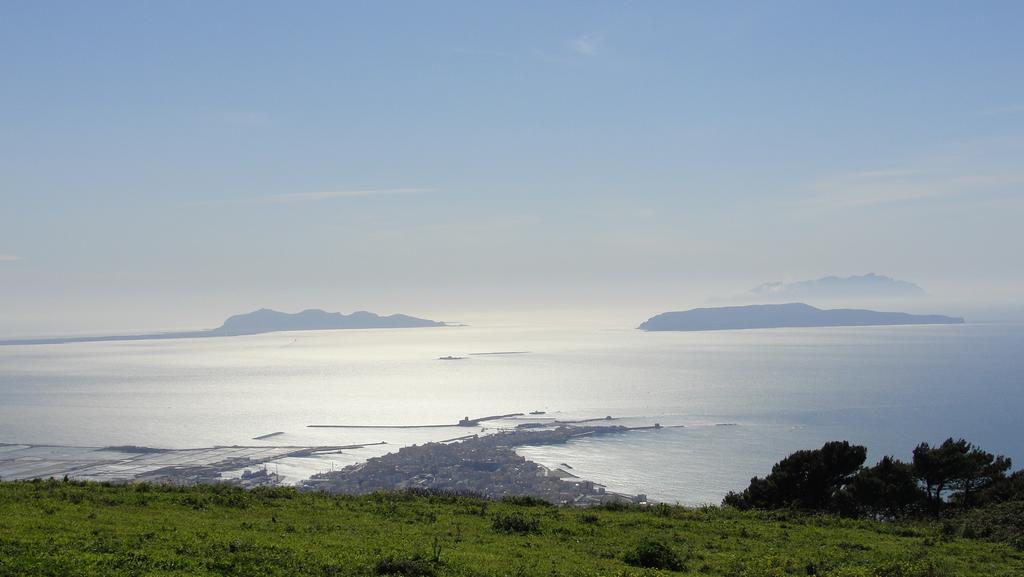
x: 67, y: 529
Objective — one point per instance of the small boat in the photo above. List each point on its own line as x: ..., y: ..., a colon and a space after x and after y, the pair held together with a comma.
x: 450, y: 358
x: 537, y: 412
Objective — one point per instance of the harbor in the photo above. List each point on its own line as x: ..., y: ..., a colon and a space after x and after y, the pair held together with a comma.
x: 485, y: 465
x: 484, y: 462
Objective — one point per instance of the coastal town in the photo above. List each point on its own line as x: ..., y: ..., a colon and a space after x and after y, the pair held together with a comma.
x: 483, y: 465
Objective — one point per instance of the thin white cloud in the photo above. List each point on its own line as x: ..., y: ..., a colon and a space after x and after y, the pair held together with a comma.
x: 868, y: 188
x: 9, y: 257
x: 585, y: 45
x: 295, y: 197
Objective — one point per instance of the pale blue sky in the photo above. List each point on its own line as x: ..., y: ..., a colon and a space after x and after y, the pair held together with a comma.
x: 166, y: 164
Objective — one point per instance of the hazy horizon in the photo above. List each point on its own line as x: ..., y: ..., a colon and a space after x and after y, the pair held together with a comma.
x: 614, y: 316
x: 166, y: 166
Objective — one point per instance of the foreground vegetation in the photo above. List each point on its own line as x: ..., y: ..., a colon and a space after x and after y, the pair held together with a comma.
x: 948, y: 479
x: 67, y: 528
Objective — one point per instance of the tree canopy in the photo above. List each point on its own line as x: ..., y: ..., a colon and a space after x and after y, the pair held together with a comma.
x: 958, y: 470
x: 955, y: 473
x: 810, y: 479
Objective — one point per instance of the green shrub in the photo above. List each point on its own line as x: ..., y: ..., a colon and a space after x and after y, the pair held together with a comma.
x: 653, y: 554
x: 515, y: 523
x: 662, y: 510
x: 413, y: 566
x: 1003, y: 522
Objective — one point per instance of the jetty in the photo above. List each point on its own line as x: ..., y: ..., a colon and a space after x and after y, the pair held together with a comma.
x: 464, y: 422
x: 268, y: 435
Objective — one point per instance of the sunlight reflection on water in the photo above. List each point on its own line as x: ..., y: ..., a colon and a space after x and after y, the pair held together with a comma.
x: 887, y: 387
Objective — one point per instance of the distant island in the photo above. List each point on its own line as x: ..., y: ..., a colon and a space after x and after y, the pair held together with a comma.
x: 267, y: 321
x: 870, y: 285
x: 259, y: 322
x: 785, y: 315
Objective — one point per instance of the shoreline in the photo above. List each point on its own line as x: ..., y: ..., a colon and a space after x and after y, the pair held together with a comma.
x: 486, y: 464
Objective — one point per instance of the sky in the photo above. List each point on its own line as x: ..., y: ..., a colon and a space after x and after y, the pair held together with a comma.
x: 167, y: 164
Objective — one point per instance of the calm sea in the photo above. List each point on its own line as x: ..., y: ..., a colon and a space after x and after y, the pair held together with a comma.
x: 743, y: 398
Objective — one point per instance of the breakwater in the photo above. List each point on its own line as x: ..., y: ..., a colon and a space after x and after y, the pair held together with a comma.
x: 465, y: 422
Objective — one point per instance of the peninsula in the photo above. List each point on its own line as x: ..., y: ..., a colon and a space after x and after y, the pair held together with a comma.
x: 258, y: 322
x: 783, y: 315
x: 485, y: 465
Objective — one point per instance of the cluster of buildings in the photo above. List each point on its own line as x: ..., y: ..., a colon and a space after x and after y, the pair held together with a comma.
x: 484, y: 465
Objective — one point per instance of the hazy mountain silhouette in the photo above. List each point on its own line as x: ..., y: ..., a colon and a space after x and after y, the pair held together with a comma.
x: 262, y: 321
x: 267, y: 320
x: 870, y: 285
x: 784, y: 315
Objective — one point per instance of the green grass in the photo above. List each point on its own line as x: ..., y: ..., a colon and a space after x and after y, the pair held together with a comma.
x: 67, y: 529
